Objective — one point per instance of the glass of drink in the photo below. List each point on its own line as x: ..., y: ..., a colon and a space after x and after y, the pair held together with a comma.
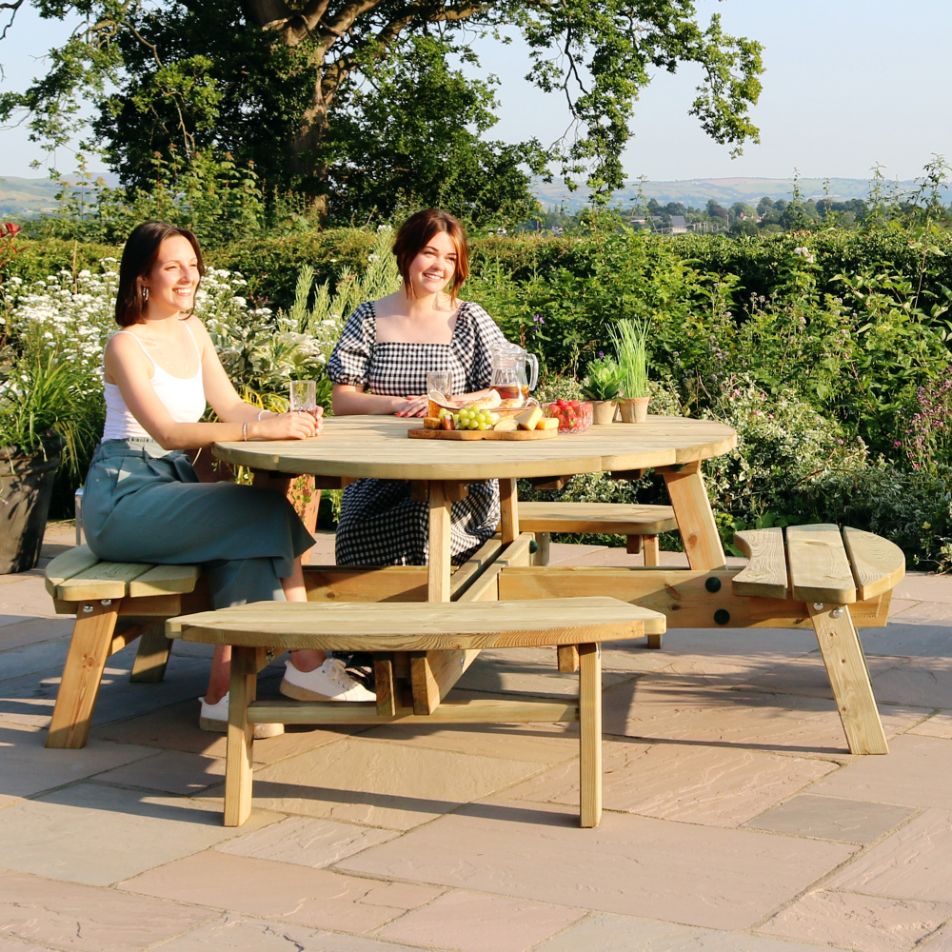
x: 439, y: 386
x: 303, y: 396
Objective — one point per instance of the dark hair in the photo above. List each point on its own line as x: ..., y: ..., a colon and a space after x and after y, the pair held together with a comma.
x: 417, y: 230
x: 138, y: 257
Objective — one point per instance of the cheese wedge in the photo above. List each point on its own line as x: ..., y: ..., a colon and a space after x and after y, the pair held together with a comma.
x: 529, y: 417
x: 505, y: 424
x: 548, y: 423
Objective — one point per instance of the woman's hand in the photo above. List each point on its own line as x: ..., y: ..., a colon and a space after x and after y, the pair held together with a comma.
x: 296, y: 425
x: 411, y: 406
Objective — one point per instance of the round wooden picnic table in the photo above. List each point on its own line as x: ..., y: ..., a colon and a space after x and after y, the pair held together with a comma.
x: 357, y: 447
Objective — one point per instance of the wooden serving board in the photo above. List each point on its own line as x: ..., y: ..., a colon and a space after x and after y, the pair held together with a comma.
x: 423, y: 434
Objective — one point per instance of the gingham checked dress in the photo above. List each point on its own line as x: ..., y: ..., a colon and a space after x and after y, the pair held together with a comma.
x: 379, y: 523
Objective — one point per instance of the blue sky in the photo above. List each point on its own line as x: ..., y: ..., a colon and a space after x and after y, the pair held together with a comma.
x: 849, y: 84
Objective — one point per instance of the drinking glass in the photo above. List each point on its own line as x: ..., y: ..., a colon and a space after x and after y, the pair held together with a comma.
x: 303, y: 395
x: 437, y: 382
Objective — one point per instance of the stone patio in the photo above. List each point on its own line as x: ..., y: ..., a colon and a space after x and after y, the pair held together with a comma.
x: 735, y: 819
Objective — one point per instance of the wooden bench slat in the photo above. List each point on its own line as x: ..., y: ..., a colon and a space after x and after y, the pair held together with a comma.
x: 402, y: 626
x: 616, y: 518
x: 878, y: 564
x: 819, y: 567
x: 766, y: 572
x: 66, y: 565
x: 165, y: 580
x: 102, y: 580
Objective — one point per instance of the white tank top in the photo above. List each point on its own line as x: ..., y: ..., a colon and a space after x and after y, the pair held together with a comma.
x: 183, y: 397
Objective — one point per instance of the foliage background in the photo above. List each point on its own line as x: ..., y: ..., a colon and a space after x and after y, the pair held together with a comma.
x: 828, y: 351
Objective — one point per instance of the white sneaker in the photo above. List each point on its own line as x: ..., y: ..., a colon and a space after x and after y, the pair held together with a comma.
x: 329, y: 682
x: 214, y: 717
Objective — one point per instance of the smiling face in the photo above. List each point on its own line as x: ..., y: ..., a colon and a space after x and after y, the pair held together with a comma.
x: 434, y: 266
x: 173, y: 279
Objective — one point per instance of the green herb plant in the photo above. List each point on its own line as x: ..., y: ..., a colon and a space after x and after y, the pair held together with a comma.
x: 630, y: 337
x: 603, y: 379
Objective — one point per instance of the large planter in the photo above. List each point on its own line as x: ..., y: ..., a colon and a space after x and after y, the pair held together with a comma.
x: 26, y: 488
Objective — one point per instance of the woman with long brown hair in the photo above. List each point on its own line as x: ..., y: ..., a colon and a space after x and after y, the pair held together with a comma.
x: 142, y: 499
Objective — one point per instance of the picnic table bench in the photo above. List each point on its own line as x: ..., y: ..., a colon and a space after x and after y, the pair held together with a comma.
x: 114, y: 603
x: 395, y: 631
x: 640, y: 524
x: 834, y: 581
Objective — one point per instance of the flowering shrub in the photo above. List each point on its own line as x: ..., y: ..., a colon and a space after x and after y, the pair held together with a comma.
x: 929, y: 441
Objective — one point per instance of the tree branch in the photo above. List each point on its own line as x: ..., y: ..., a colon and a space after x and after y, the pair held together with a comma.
x: 13, y: 7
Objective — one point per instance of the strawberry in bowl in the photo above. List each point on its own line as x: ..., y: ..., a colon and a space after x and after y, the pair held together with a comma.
x: 574, y: 416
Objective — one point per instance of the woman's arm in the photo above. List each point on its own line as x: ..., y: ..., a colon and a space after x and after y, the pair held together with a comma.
x: 349, y: 399
x: 128, y: 367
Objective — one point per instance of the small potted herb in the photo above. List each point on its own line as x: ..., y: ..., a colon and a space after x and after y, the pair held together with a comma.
x: 602, y: 385
x: 630, y: 338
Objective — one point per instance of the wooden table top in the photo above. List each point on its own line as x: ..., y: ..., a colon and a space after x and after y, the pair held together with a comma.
x: 378, y: 446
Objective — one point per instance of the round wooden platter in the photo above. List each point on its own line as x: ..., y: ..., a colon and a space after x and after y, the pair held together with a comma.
x: 419, y: 433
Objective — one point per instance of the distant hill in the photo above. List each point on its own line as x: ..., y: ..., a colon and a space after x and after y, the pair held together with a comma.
x: 27, y: 197
x: 695, y: 193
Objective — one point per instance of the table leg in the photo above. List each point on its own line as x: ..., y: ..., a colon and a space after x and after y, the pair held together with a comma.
x: 590, y: 734
x: 244, y: 677
x: 440, y: 506
x: 702, y: 542
x: 509, y: 505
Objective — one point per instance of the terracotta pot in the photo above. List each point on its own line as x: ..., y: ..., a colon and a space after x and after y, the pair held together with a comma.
x: 634, y: 409
x: 603, y: 412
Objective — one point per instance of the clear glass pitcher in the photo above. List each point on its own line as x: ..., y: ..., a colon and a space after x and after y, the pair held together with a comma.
x: 515, y: 371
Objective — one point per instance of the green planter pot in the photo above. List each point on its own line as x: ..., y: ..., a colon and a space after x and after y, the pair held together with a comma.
x: 26, y: 488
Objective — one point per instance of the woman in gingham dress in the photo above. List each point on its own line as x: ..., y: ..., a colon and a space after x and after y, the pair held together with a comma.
x: 379, y: 366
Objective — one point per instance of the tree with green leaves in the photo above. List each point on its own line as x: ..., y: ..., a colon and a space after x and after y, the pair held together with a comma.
x: 288, y: 85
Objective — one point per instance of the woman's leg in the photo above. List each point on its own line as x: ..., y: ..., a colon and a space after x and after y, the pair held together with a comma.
x: 220, y: 673
x: 294, y: 591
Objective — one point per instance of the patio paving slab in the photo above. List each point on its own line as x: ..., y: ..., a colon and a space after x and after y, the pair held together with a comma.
x: 916, y: 773
x: 380, y: 784
x: 61, y: 915
x: 612, y: 933
x: 829, y: 818
x: 467, y: 921
x: 913, y: 863
x: 27, y: 768
x: 290, y: 893
x: 939, y: 725
x: 242, y: 934
x: 737, y: 877
x: 97, y: 834
x: 306, y: 841
x: 859, y: 922
x: 708, y: 785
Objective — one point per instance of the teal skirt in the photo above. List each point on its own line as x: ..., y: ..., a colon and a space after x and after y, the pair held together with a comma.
x: 144, y: 504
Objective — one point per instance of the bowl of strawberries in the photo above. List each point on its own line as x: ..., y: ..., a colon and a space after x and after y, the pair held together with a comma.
x: 574, y: 416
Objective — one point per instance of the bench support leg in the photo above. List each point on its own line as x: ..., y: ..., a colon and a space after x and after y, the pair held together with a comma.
x: 849, y: 678
x: 89, y: 649
x: 152, y: 655
x: 244, y: 677
x: 590, y: 734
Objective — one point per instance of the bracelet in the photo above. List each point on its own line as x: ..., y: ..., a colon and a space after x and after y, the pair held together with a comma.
x: 244, y: 432
x: 261, y: 413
